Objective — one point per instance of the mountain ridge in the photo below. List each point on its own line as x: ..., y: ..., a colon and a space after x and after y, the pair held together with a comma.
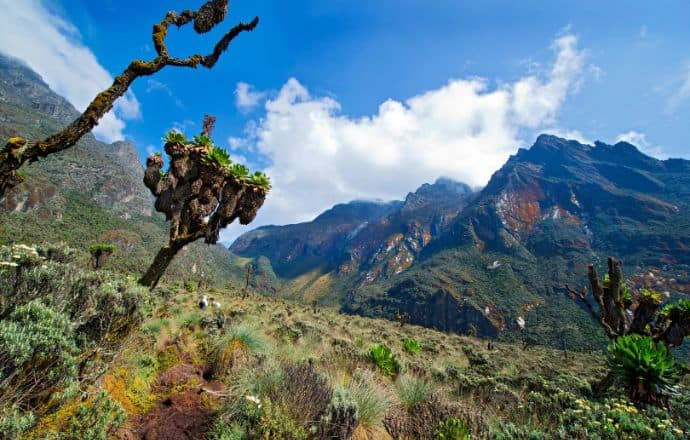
x: 505, y: 251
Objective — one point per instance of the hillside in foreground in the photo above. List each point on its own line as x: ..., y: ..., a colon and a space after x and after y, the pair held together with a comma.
x: 103, y: 358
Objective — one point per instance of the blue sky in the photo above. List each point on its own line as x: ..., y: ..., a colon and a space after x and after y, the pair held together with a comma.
x: 368, y: 99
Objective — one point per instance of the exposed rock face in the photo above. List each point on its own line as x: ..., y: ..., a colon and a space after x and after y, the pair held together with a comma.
x: 109, y: 174
x: 367, y: 240
x: 319, y: 244
x: 561, y: 195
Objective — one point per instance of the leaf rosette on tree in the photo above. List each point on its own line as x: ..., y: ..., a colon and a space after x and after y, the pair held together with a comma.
x: 200, y: 194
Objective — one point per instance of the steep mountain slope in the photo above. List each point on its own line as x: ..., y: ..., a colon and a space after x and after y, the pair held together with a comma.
x: 90, y: 193
x: 503, y: 255
x: 352, y: 244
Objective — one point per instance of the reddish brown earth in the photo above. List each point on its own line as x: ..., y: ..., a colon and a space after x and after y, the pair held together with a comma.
x: 187, y: 411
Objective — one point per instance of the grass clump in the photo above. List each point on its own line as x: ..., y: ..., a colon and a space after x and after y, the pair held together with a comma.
x: 412, y: 390
x: 372, y: 404
x: 233, y: 346
x: 385, y: 359
x: 191, y: 319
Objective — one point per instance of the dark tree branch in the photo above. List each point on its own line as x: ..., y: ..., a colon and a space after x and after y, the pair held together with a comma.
x: 17, y: 150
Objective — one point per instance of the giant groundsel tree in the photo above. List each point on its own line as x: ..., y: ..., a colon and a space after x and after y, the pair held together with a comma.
x: 201, y: 193
x: 642, y: 330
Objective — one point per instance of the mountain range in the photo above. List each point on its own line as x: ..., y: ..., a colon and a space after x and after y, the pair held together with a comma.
x: 486, y: 262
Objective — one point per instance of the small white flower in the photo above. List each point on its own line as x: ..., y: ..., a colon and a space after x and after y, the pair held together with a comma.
x: 254, y: 399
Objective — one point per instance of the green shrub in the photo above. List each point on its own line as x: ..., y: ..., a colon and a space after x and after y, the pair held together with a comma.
x: 53, y: 313
x: 203, y: 140
x: 95, y: 420
x: 191, y: 319
x: 384, y: 358
x: 154, y: 328
x: 412, y: 346
x: 239, y: 171
x: 647, y: 369
x: 475, y: 357
x: 260, y: 179
x: 102, y: 247
x: 510, y: 431
x: 35, y: 339
x: 341, y: 418
x: 453, y: 429
x: 190, y: 286
x: 276, y: 423
x: 615, y: 418
x: 218, y: 156
x: 14, y: 421
x: 222, y: 430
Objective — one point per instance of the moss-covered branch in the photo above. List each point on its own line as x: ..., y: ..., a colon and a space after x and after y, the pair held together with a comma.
x: 18, y: 151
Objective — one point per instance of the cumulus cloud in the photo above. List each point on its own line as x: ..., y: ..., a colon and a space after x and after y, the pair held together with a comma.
x: 465, y: 129
x: 640, y: 141
x: 246, y: 98
x: 52, y: 46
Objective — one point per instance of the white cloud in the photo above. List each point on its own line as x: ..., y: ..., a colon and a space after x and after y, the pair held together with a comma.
x: 681, y: 94
x: 640, y: 141
x: 52, y: 47
x: 465, y: 129
x: 246, y: 98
